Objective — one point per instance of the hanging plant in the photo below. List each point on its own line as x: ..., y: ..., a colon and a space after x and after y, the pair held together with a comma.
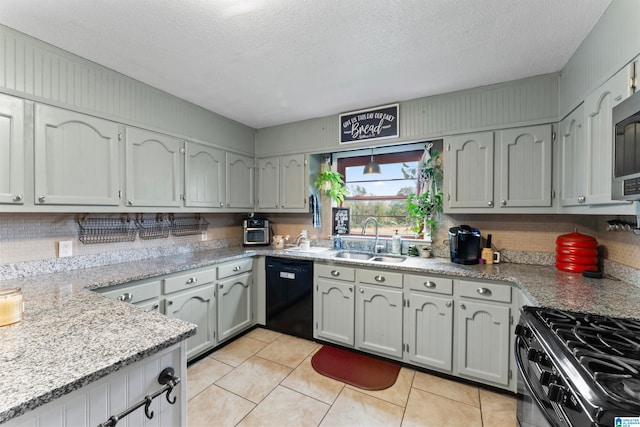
x: 331, y: 184
x: 427, y: 206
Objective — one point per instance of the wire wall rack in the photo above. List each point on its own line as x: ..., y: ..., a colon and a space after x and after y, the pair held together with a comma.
x: 186, y: 226
x: 153, y: 228
x: 106, y: 230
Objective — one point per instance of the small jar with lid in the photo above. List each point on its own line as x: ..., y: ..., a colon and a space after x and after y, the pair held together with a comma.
x: 11, y: 306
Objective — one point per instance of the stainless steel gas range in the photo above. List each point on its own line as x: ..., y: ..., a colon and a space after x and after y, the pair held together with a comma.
x: 577, y: 369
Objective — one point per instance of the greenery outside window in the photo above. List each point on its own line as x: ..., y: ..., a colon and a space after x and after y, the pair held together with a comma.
x: 384, y: 195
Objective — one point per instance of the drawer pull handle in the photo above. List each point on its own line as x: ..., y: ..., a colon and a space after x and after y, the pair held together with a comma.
x: 429, y: 284
x: 192, y: 280
x: 236, y: 268
x: 484, y: 292
x: 448, y: 304
x: 155, y: 306
x: 379, y: 279
x: 335, y: 273
x: 126, y: 297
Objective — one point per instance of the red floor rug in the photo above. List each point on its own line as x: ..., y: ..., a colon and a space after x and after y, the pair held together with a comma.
x: 353, y: 368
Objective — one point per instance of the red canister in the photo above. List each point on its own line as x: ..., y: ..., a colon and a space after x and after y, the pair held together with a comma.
x: 576, y: 252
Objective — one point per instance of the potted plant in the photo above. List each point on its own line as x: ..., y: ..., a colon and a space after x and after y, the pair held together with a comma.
x: 331, y: 184
x: 426, y: 206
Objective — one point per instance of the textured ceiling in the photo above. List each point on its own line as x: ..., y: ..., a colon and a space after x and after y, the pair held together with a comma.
x: 267, y: 62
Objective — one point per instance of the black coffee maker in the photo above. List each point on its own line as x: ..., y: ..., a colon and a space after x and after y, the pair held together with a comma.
x: 465, y: 244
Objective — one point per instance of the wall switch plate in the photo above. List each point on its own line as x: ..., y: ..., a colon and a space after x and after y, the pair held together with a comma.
x: 65, y: 248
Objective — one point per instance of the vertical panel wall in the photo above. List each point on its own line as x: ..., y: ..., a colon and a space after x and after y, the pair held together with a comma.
x: 612, y: 43
x: 517, y: 103
x: 38, y: 71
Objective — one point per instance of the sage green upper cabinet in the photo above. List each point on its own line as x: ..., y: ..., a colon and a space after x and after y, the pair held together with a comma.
x: 76, y: 158
x: 11, y: 150
x: 525, y: 167
x: 282, y: 184
x: 204, y: 176
x: 153, y: 169
x: 573, y: 159
x: 518, y: 160
x: 468, y: 171
x: 240, y: 187
x: 599, y: 136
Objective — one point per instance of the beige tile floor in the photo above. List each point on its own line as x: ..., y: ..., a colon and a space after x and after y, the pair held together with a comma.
x: 265, y: 379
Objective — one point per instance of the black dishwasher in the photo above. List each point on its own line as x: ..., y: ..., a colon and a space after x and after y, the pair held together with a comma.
x: 290, y: 296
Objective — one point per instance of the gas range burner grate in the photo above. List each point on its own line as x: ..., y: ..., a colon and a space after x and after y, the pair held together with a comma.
x: 617, y: 377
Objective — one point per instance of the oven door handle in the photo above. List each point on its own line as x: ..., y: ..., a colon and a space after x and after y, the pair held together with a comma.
x: 527, y: 381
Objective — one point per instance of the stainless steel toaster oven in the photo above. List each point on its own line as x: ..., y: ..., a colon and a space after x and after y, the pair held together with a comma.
x: 255, y: 232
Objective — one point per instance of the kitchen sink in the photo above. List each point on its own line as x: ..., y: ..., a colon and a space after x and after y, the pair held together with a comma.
x: 370, y: 257
x: 360, y: 256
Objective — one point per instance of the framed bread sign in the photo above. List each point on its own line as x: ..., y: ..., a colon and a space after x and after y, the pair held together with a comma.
x: 370, y: 124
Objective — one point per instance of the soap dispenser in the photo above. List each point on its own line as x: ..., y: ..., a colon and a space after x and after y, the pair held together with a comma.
x: 396, y: 243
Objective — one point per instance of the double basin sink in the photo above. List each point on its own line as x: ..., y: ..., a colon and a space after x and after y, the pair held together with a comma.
x: 370, y: 257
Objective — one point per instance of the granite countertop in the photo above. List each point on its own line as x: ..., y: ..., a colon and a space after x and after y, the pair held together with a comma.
x: 71, y: 336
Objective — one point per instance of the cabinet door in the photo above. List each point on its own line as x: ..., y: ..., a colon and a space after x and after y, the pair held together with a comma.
x: 525, y: 167
x: 573, y: 159
x: 293, y: 182
x: 196, y: 306
x: 483, y: 341
x: 379, y: 320
x: 240, y: 181
x: 204, y: 177
x: 76, y: 158
x: 268, y: 184
x: 335, y: 311
x: 11, y: 150
x: 153, y: 169
x: 234, y: 305
x: 429, y: 332
x: 469, y: 170
x: 598, y: 109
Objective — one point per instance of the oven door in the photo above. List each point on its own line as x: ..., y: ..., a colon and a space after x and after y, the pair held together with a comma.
x: 533, y: 407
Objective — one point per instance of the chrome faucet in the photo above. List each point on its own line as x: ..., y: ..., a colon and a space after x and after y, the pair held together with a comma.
x: 376, y: 248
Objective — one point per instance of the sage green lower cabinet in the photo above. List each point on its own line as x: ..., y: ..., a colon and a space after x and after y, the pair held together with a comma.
x: 143, y: 293
x: 334, y: 304
x: 197, y: 305
x: 379, y: 312
x: 429, y: 321
x: 234, y: 305
x: 483, y: 316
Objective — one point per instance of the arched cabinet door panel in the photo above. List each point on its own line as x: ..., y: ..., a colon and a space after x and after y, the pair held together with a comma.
x: 12, y: 171
x: 76, y: 159
x: 204, y: 176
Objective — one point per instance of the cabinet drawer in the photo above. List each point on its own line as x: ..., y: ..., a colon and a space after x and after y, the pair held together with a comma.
x: 485, y: 291
x: 336, y: 272
x: 236, y: 267
x: 379, y: 277
x: 438, y: 285
x: 135, y: 293
x: 188, y: 280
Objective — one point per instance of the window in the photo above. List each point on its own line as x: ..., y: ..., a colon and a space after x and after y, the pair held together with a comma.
x: 384, y: 195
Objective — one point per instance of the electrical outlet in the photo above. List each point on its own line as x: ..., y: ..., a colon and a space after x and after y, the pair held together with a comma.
x: 65, y: 248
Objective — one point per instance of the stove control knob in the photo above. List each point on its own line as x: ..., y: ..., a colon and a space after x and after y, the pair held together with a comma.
x: 523, y: 331
x: 547, y: 378
x: 538, y: 356
x: 556, y: 393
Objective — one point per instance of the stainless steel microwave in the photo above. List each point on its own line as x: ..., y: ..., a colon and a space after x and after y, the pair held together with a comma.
x: 255, y: 232
x: 625, y: 184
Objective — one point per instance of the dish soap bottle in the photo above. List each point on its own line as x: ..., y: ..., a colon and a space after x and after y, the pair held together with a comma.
x: 337, y: 242
x: 396, y: 244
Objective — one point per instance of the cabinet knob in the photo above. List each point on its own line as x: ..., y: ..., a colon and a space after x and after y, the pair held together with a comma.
x: 169, y: 302
x: 361, y: 291
x: 484, y: 291
x: 130, y: 202
x: 155, y: 306
x: 581, y: 199
x: 17, y: 198
x: 126, y: 297
x: 429, y: 284
x: 228, y: 204
x: 192, y: 280
x: 448, y: 304
x: 221, y: 204
x: 335, y: 273
x: 462, y: 306
x: 379, y: 279
x: 221, y: 286
x: 503, y: 202
x: 41, y: 199
x: 490, y: 203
